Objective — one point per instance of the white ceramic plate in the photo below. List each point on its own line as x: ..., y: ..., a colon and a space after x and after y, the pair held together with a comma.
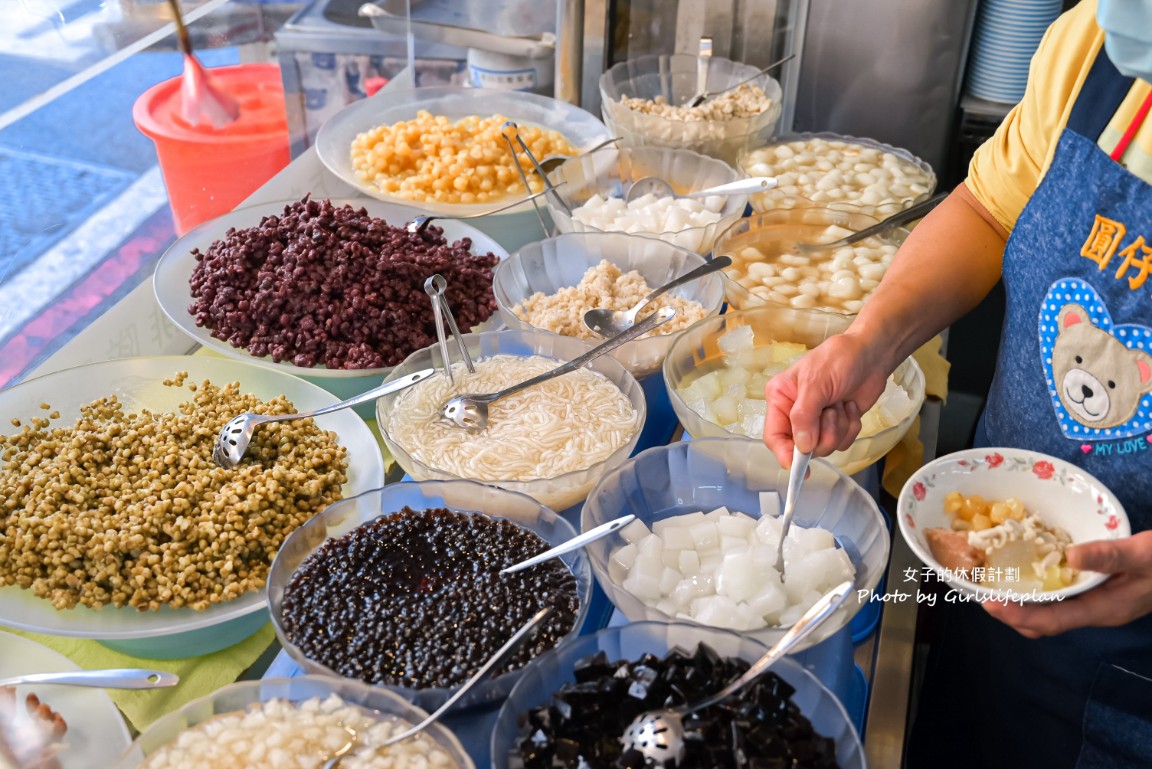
x: 97, y: 734
x: 173, y: 272
x: 1060, y: 493
x: 334, y: 140
x: 169, y: 633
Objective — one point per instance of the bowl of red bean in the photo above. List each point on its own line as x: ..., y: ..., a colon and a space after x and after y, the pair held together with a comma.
x: 570, y: 707
x: 400, y: 588
x: 330, y: 291
x: 294, y: 722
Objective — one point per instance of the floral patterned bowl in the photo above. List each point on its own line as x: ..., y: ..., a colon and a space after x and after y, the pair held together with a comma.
x: 1060, y: 493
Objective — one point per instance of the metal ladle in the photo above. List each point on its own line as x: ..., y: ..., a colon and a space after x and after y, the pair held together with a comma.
x: 910, y: 214
x: 703, y: 96
x: 607, y: 323
x: 550, y: 163
x: 796, y: 475
x: 236, y: 435
x: 659, y: 735
x: 115, y: 678
x: 421, y: 221
x: 470, y: 410
x: 441, y: 314
x: 575, y: 543
x: 654, y: 185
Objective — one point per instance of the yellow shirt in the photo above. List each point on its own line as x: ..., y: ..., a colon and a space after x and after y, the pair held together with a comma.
x: 1007, y: 168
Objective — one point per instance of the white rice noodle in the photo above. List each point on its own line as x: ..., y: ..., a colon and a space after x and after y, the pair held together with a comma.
x: 559, y: 426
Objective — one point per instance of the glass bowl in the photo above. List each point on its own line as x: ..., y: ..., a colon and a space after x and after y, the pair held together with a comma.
x: 550, y: 672
x: 458, y: 496
x: 513, y: 227
x: 805, y: 165
x: 1060, y: 493
x: 706, y: 473
x: 609, y: 173
x: 174, y: 295
x: 374, y: 703
x: 767, y: 268
x: 697, y: 351
x: 555, y: 263
x: 673, y: 78
x: 559, y: 492
x: 169, y: 633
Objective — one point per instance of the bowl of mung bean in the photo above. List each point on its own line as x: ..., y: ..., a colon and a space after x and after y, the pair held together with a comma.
x: 550, y: 284
x: 854, y: 172
x: 551, y: 441
x: 774, y: 263
x: 441, y: 149
x: 643, y: 101
x: 593, y: 189
x: 331, y: 291
x: 294, y: 723
x: 400, y: 587
x: 118, y: 526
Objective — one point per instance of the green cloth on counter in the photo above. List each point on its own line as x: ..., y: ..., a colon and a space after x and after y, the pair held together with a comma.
x: 198, y: 675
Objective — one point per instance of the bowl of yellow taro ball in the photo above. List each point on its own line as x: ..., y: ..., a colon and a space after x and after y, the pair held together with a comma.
x: 117, y: 525
x: 442, y: 150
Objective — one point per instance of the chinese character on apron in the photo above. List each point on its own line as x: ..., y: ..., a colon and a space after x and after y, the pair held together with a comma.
x: 1074, y: 380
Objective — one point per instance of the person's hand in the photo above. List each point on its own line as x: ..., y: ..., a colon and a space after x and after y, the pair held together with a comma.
x: 1126, y: 596
x: 816, y: 404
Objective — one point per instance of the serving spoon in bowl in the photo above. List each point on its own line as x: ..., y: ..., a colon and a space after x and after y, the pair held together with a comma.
x: 470, y: 410
x: 607, y: 323
x: 910, y: 214
x: 236, y: 435
x: 577, y: 542
x: 659, y: 734
x: 703, y: 96
x: 114, y: 678
x: 654, y: 185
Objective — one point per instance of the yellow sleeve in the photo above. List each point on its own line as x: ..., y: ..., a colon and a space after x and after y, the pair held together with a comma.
x: 1007, y: 168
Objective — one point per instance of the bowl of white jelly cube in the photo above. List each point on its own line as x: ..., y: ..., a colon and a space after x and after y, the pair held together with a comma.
x: 772, y: 263
x: 703, y: 547
x: 715, y: 373
x: 591, y: 190
x: 876, y: 178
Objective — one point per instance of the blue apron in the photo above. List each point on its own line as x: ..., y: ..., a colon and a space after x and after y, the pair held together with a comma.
x: 1073, y: 379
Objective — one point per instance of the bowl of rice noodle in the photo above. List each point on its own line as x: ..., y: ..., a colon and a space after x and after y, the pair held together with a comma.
x: 552, y: 441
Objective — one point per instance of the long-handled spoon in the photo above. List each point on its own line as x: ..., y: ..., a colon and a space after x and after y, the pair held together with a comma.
x: 654, y: 185
x: 910, y: 214
x: 659, y: 735
x: 575, y: 543
x: 420, y: 221
x: 114, y: 678
x: 796, y: 475
x: 236, y: 435
x: 550, y: 163
x: 470, y: 410
x: 607, y: 323
x: 700, y: 98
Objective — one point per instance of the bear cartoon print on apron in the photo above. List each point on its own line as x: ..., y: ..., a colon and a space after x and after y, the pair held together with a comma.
x: 1074, y: 380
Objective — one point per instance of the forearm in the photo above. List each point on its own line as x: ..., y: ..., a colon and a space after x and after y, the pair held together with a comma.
x: 948, y: 264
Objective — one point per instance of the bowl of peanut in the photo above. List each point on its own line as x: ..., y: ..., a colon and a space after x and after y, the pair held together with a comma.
x: 996, y: 523
x: 289, y: 722
x: 118, y: 525
x: 644, y: 102
x: 442, y: 150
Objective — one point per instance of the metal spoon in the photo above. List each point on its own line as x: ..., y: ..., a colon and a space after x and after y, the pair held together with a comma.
x: 115, y: 678
x: 607, y: 323
x: 441, y: 313
x: 702, y: 97
x: 497, y: 659
x: 910, y: 214
x: 421, y: 221
x: 654, y: 185
x: 551, y: 162
x: 236, y: 435
x: 575, y: 543
x: 796, y: 475
x: 470, y: 410
x: 338, y: 755
x: 659, y: 735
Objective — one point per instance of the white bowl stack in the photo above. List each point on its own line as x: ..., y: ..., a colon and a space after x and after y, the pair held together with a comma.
x: 1006, y: 35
